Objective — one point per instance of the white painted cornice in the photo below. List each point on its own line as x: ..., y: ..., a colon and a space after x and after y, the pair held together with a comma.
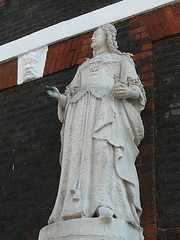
x: 86, y: 22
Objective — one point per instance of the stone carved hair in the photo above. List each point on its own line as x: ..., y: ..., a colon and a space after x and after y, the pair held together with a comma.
x: 111, y: 33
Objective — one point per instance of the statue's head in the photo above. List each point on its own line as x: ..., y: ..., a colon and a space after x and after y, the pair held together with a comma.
x: 105, y: 34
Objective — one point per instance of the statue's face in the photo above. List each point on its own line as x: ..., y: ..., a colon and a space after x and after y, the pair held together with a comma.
x: 98, y: 39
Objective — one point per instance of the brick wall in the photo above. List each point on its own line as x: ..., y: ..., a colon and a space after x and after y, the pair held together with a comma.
x: 37, y: 155
x: 2, y: 4
x: 29, y: 153
x: 146, y: 30
x: 143, y: 58
x: 8, y: 74
x: 69, y: 53
x: 167, y: 105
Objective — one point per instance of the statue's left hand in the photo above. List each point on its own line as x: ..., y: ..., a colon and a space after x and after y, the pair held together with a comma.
x: 121, y: 91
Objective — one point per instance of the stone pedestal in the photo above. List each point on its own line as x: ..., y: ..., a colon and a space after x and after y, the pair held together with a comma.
x: 92, y: 229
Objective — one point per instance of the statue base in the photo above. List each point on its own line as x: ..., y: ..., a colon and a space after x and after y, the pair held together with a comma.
x: 92, y: 229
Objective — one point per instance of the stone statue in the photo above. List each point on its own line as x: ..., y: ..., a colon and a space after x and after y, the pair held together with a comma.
x: 102, y: 128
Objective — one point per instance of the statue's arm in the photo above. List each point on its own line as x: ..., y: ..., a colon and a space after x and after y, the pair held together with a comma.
x: 121, y: 91
x: 54, y: 92
x: 128, y: 85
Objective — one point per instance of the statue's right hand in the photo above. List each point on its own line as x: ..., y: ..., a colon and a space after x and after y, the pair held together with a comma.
x: 53, y: 92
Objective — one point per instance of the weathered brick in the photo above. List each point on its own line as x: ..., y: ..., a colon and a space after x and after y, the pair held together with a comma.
x: 148, y: 218
x: 150, y: 27
x: 136, y: 24
x: 167, y: 154
x: 59, y: 56
x: 2, y: 3
x: 148, y: 159
x: 146, y: 169
x: 149, y: 106
x: 150, y: 238
x: 69, y: 60
x: 169, y: 14
x: 54, y: 58
x: 84, y: 48
x: 149, y: 198
x: 29, y: 154
x: 149, y: 208
x: 78, y: 49
x: 147, y: 75
x: 145, y: 34
x: 162, y: 18
x: 137, y: 36
x: 162, y: 22
x: 81, y: 60
x: 147, y: 149
x: 157, y: 24
x: 175, y: 29
x: 8, y: 74
x: 75, y: 43
x: 138, y: 30
x: 146, y: 61
x: 48, y: 60
x: 65, y: 55
x: 85, y: 53
x: 142, y: 55
x: 146, y: 47
x: 147, y: 177
x: 135, y: 19
x: 149, y: 229
x: 145, y: 68
x: 176, y: 9
x: 86, y: 41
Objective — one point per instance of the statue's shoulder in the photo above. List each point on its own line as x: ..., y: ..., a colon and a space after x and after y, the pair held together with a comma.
x: 85, y: 63
x: 110, y: 57
x: 118, y: 57
x: 125, y: 57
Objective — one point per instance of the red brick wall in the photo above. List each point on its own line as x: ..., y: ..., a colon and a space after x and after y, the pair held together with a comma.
x: 143, y: 58
x: 147, y: 28
x: 2, y: 3
x: 8, y: 74
x: 163, y: 22
x: 68, y: 53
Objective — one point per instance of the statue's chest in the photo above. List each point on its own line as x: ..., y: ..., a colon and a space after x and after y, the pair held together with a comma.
x: 101, y: 67
x: 101, y: 73
x: 95, y: 68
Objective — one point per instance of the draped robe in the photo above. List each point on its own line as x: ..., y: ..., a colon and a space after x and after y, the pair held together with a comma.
x: 100, y: 135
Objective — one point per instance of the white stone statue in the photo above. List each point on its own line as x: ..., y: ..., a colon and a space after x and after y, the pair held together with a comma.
x: 102, y: 128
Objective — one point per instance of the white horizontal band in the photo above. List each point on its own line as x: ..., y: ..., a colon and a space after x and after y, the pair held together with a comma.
x: 66, y: 29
